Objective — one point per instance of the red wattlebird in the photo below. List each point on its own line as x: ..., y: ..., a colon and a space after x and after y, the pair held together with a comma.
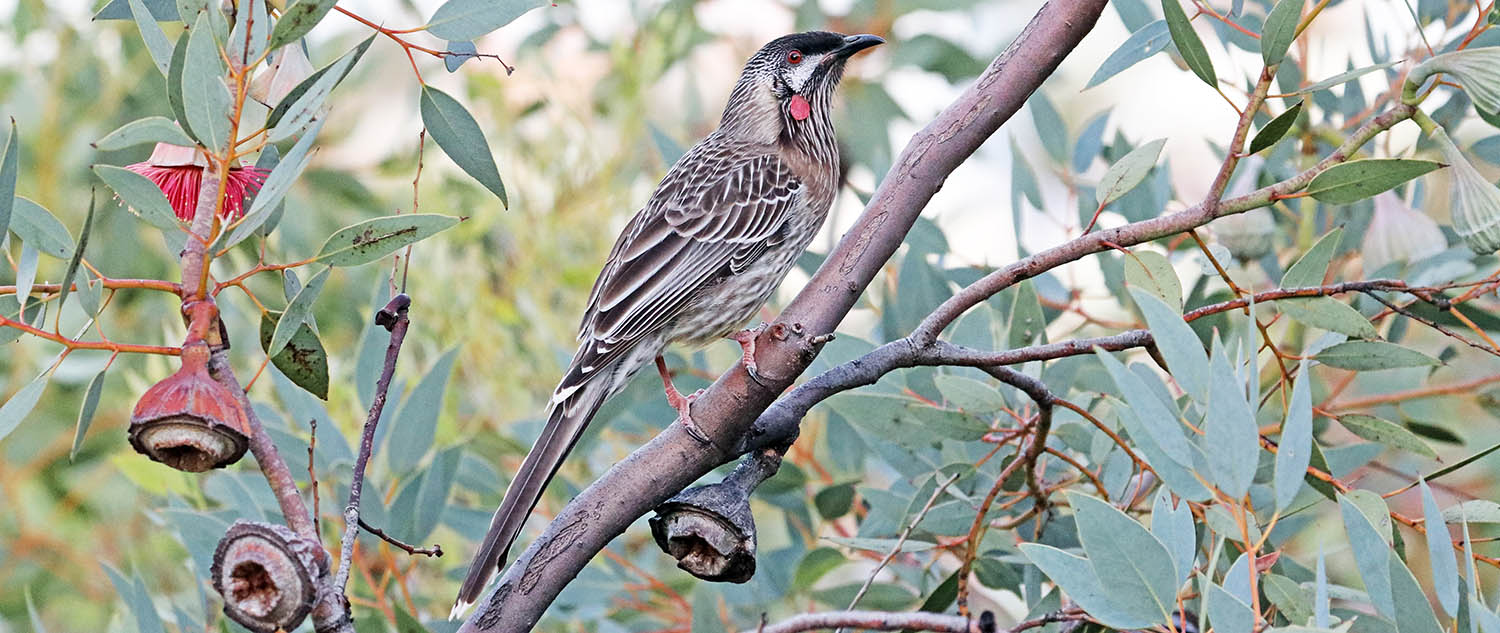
x: 717, y: 237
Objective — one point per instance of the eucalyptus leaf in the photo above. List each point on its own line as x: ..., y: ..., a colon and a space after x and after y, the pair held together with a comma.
x: 8, y: 175
x: 40, y: 229
x: 1279, y: 31
x: 375, y: 238
x: 1188, y: 43
x: 21, y: 403
x: 275, y: 187
x: 205, y: 98
x: 1372, y: 355
x: 1276, y: 128
x: 1144, y: 42
x: 1386, y: 432
x: 1129, y: 171
x: 141, y: 196
x: 460, y: 137
x: 1076, y: 577
x: 297, y: 312
x: 468, y: 19
x: 298, y: 19
x: 1356, y: 180
x: 1178, y: 344
x: 1440, y: 553
x: 152, y: 129
x: 1294, y: 448
x: 156, y: 41
x: 86, y: 411
x: 1152, y: 271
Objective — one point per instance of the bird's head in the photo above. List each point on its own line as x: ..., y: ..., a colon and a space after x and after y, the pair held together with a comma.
x: 790, y: 80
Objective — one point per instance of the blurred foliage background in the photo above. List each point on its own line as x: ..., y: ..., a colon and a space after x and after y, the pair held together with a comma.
x: 605, y: 95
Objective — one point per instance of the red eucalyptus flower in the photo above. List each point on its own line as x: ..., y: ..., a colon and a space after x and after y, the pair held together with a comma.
x: 178, y: 171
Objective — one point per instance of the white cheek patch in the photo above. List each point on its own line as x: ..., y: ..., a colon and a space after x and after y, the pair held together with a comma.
x: 797, y: 76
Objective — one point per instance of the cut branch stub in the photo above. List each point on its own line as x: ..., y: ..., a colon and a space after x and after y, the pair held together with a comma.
x: 267, y: 575
x: 189, y: 421
x: 710, y: 529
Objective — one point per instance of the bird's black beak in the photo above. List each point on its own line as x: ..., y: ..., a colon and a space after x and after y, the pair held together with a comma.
x: 856, y: 43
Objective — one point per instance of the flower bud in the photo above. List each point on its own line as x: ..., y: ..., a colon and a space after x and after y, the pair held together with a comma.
x: 290, y: 68
x: 1399, y: 233
x: 267, y: 575
x: 1474, y: 200
x: 1477, y: 69
x: 189, y: 421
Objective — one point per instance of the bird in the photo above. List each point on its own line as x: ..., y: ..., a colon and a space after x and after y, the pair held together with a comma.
x: 696, y: 263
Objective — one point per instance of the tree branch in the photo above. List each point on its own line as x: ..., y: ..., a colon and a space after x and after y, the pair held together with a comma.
x: 673, y: 460
x: 393, y: 318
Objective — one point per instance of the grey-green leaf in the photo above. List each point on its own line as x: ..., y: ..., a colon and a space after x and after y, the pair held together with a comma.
x: 1153, y: 272
x: 140, y: 195
x: 1386, y: 432
x: 468, y: 19
x: 1329, y: 314
x: 1440, y: 553
x: 1130, y: 170
x: 152, y: 129
x: 1345, y: 77
x: 1356, y: 180
x: 1174, y: 528
x: 1076, y: 577
x: 1140, y: 569
x: 39, y: 228
x: 277, y: 183
x: 1279, y: 31
x: 1227, y: 613
x: 1276, y: 128
x: 1294, y: 448
x: 1145, y: 42
x: 303, y: 360
x: 156, y: 41
x: 8, y: 172
x: 1473, y: 511
x: 72, y: 270
x: 298, y: 19
x: 86, y: 412
x: 1178, y: 344
x: 205, y: 98
x: 305, y: 108
x: 414, y: 425
x: 1309, y: 270
x: 1231, y: 439
x: 375, y: 238
x: 1188, y: 43
x: 1370, y: 554
x: 1370, y: 355
x: 1160, y: 423
x: 460, y: 137
x: 297, y: 311
x: 20, y: 405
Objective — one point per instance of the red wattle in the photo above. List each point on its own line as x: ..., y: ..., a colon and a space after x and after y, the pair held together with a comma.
x: 801, y: 109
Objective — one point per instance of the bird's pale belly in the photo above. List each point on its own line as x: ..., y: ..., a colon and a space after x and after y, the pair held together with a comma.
x: 728, y: 306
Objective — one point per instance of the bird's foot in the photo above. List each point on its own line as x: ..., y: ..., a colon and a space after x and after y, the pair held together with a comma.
x: 746, y: 339
x: 683, y: 404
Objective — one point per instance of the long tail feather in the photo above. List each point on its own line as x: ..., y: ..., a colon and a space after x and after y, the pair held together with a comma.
x: 565, y: 423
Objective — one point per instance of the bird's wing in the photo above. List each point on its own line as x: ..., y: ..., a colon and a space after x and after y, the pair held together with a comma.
x: 713, y: 214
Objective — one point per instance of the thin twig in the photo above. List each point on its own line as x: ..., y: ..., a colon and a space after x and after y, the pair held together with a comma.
x: 393, y: 317
x: 435, y: 550
x: 901, y: 540
x: 312, y: 474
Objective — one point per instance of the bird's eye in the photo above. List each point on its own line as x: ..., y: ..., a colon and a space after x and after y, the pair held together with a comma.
x: 794, y: 57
